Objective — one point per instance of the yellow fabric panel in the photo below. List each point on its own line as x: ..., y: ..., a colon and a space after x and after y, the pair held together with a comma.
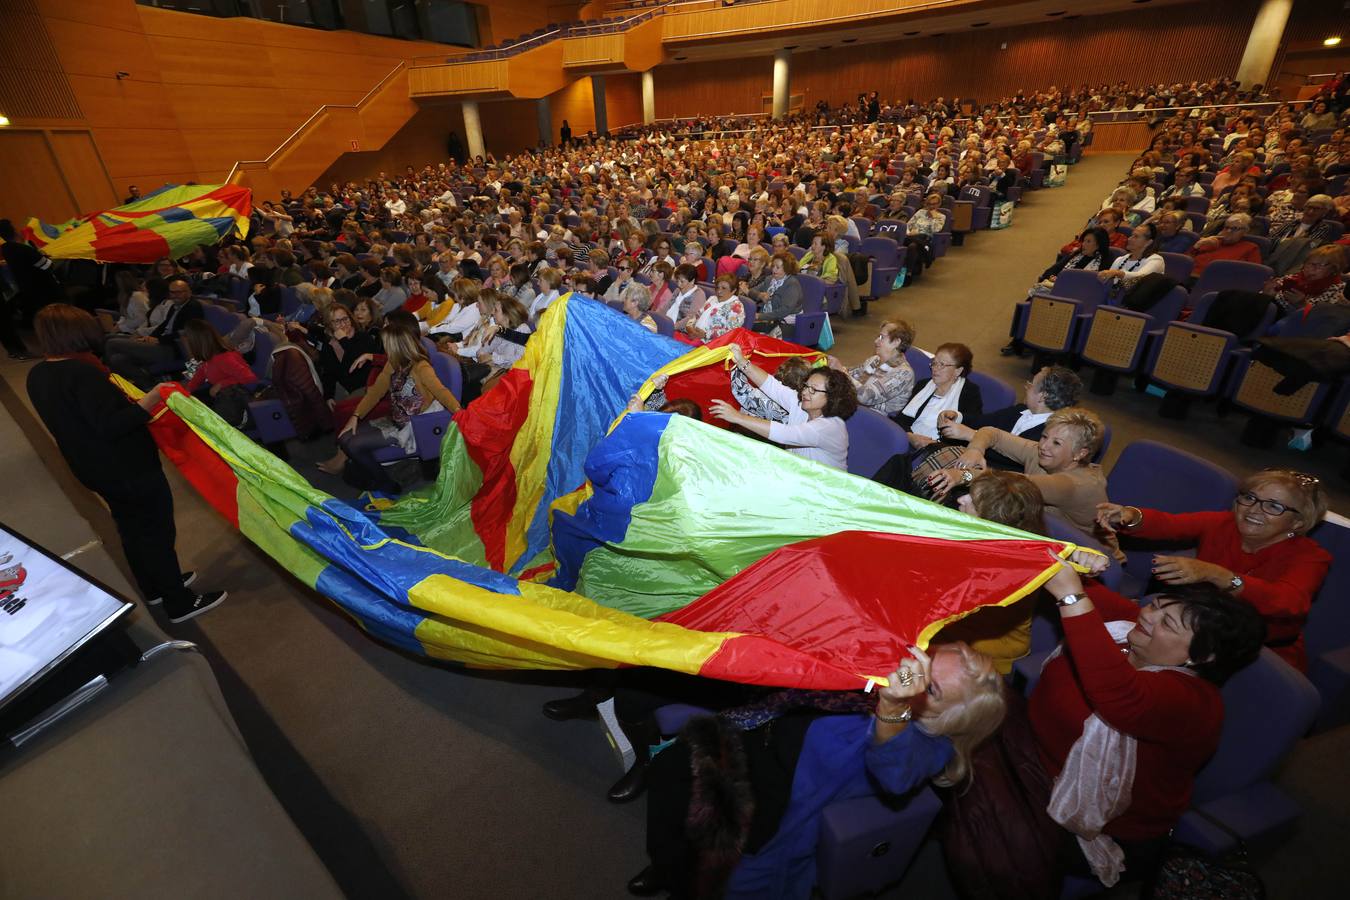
x: 548, y: 627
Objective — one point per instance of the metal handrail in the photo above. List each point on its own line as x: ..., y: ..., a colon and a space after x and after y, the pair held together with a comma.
x: 316, y: 114
x: 1145, y: 113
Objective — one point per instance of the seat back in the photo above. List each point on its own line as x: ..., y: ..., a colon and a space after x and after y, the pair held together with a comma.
x: 1268, y: 707
x: 750, y: 310
x: 1328, y: 626
x: 891, y: 228
x: 262, y: 353
x: 664, y: 326
x: 1085, y: 287
x: 1231, y: 274
x: 994, y: 393
x: 883, y: 249
x: 1179, y: 266
x: 872, y: 439
x: 921, y: 363
x: 1153, y: 475
x: 1191, y: 358
x: 813, y: 293
x: 1255, y: 391
x: 1116, y: 338
x: 448, y: 372
x: 864, y: 226
x: 1050, y: 323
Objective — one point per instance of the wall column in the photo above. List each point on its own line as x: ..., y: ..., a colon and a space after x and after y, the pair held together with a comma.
x: 648, y: 98
x: 473, y: 128
x: 543, y: 114
x: 781, y: 75
x: 1264, y: 42
x: 598, y: 95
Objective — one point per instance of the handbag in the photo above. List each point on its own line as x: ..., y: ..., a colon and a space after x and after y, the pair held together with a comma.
x: 1002, y: 215
x: 1187, y: 873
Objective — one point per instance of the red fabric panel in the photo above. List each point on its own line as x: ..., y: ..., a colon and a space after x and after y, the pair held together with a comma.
x: 201, y: 466
x: 713, y: 382
x: 853, y: 601
x: 489, y: 426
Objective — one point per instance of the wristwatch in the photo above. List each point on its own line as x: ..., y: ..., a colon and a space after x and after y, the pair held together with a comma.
x: 1235, y: 583
x: 967, y: 476
x: 1070, y: 599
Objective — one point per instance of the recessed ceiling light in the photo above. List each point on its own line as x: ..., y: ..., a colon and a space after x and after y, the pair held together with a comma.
x: 1138, y: 2
x: 978, y: 24
x: 1331, y: 41
x: 847, y: 40
x: 1053, y: 14
x: 826, y: 47
x: 790, y: 47
x: 911, y: 33
x: 681, y: 58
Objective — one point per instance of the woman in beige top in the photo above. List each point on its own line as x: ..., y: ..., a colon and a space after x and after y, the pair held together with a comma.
x: 1059, y: 464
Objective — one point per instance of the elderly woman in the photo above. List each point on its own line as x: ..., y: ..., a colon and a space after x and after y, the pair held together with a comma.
x: 623, y: 281
x: 820, y: 260
x: 392, y: 294
x: 1291, y: 243
x: 1258, y: 552
x: 719, y: 314
x: 661, y: 276
x: 693, y: 256
x: 1318, y: 283
x: 637, y: 303
x: 1059, y: 463
x: 885, y: 381
x: 778, y: 294
x: 827, y: 399
x: 1229, y: 244
x: 686, y: 297
x: 1105, y: 754
x: 947, y: 389
x: 1089, y: 257
x: 1141, y: 258
x: 923, y: 726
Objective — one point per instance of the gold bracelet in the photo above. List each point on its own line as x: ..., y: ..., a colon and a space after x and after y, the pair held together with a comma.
x: 901, y: 719
x: 1137, y: 522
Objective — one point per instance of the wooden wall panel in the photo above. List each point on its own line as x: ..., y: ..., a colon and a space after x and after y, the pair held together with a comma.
x: 80, y: 163
x: 1159, y: 45
x: 422, y: 141
x: 509, y: 126
x: 30, y: 179
x: 623, y: 99
x: 712, y: 88
x: 576, y: 104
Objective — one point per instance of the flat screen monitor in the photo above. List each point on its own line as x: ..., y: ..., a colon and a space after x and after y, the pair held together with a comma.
x: 48, y: 611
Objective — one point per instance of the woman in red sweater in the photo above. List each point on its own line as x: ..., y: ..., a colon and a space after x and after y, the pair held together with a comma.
x: 222, y: 375
x: 1101, y: 762
x: 1259, y: 552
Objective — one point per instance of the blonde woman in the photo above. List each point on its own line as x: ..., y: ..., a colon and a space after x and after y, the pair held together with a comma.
x: 924, y: 726
x: 410, y: 382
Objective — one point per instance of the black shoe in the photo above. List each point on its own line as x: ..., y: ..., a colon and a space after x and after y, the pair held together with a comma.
x: 21, y: 357
x: 188, y: 578
x: 645, y: 884
x: 632, y: 785
x: 193, y: 606
x: 1012, y: 348
x: 582, y: 706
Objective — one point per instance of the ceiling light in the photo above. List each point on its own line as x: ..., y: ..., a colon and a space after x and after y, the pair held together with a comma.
x: 1053, y: 14
x: 978, y: 24
x: 1332, y: 41
x: 4, y: 120
x: 910, y: 33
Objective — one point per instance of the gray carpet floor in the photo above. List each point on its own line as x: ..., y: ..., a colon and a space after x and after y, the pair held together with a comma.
x: 417, y: 779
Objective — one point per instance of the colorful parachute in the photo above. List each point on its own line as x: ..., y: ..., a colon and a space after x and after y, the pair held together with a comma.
x: 172, y: 222
x: 666, y: 542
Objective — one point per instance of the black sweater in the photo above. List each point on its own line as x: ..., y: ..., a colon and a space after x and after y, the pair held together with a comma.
x: 99, y: 431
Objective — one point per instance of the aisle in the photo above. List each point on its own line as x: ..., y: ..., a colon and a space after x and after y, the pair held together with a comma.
x: 968, y: 297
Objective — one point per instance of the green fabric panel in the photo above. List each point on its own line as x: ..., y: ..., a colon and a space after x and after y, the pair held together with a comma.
x: 722, y: 502
x: 440, y: 514
x: 267, y: 525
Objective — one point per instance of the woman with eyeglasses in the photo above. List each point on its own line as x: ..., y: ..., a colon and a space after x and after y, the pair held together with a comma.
x: 1258, y: 552
x: 827, y: 399
x: 947, y: 388
x: 623, y: 283
x: 661, y: 253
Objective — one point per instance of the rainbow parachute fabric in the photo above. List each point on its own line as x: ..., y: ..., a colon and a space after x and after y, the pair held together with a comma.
x: 172, y: 222
x: 548, y: 543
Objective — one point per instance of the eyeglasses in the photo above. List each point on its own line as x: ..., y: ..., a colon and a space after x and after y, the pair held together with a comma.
x: 813, y: 389
x: 938, y: 364
x: 1273, y: 507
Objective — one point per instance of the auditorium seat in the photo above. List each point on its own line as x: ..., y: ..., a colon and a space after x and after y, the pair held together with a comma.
x: 872, y: 440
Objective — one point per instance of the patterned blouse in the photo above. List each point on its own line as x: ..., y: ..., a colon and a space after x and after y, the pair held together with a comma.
x: 885, y: 387
x: 718, y: 317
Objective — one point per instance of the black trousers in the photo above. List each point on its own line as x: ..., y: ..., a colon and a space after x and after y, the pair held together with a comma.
x: 142, y: 508
x: 9, y: 331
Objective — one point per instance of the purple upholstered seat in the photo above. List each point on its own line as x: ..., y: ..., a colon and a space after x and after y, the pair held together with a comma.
x: 872, y: 439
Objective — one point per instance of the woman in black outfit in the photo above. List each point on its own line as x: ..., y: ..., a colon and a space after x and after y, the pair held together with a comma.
x: 345, y: 356
x: 103, y: 438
